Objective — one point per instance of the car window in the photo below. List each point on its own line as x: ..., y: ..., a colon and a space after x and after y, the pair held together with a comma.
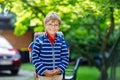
x: 4, y: 43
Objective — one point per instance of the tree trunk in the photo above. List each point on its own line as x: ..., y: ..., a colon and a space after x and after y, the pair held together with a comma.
x: 113, y: 72
x: 104, y: 75
x: 114, y: 59
x: 104, y: 68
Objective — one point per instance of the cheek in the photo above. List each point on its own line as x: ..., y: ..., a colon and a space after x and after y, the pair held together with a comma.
x: 57, y: 28
x: 47, y: 28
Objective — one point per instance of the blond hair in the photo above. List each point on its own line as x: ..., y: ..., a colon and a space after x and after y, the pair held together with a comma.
x: 52, y: 16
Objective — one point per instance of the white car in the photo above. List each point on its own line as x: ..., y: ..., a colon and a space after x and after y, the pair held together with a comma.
x: 10, y: 58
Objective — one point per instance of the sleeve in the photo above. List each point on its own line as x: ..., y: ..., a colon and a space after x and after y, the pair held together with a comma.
x: 36, y: 59
x: 64, y: 57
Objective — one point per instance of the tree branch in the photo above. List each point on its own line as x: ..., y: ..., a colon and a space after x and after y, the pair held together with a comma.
x: 112, y: 54
x: 35, y: 8
x: 109, y: 32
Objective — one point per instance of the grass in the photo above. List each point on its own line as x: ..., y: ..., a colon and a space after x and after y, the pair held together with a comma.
x: 117, y: 72
x: 87, y: 73
x: 27, y: 66
x: 84, y: 72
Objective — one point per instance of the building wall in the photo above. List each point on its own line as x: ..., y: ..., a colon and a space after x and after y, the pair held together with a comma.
x: 19, y: 42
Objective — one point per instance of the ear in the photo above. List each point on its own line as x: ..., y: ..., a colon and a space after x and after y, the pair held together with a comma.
x: 44, y: 25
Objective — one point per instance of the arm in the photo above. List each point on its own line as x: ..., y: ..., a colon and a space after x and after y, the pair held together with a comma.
x: 35, y: 57
x: 64, y: 57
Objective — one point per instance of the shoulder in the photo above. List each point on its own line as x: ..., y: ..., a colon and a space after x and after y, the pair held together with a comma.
x: 60, y: 35
x: 61, y: 38
x: 39, y: 39
x: 39, y: 36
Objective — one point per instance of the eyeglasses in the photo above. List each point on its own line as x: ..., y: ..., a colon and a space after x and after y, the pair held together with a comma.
x: 55, y: 25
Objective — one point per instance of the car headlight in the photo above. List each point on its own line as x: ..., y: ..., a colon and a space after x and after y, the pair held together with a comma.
x: 16, y: 57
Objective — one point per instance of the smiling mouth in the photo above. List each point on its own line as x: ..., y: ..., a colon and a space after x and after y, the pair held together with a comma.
x: 52, y: 30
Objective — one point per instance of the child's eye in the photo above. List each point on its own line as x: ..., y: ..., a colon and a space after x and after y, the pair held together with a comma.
x: 49, y: 24
x: 56, y: 25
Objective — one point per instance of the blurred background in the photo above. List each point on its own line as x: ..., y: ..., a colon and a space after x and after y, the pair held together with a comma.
x: 91, y: 27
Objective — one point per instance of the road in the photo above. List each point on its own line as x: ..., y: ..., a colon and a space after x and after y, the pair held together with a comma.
x: 23, y: 75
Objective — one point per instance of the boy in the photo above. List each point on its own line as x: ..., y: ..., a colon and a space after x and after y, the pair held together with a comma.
x: 50, y: 56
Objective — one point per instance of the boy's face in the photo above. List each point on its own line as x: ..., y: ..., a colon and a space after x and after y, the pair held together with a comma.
x: 52, y: 26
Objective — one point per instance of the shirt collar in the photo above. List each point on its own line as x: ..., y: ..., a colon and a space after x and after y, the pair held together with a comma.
x: 52, y: 39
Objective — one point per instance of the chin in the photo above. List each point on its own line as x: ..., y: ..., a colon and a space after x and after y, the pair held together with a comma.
x: 52, y: 33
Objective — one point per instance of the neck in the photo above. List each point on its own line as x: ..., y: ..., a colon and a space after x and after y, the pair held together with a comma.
x: 52, y: 35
